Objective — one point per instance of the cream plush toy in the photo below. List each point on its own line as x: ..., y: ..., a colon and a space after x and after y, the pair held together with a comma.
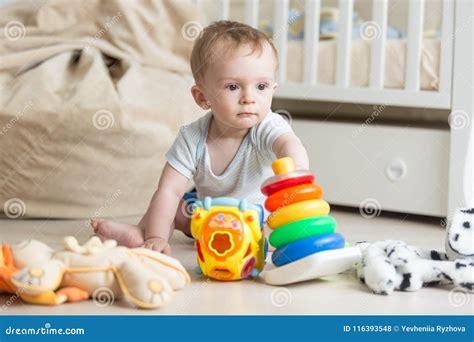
x: 41, y: 275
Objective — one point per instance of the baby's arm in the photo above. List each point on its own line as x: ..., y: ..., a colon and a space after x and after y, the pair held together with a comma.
x: 289, y: 145
x: 160, y: 216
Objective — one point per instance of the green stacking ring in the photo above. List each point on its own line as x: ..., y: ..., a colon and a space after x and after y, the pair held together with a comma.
x: 302, y: 229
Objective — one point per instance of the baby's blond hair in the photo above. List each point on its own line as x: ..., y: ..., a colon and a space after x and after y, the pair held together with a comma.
x: 233, y: 34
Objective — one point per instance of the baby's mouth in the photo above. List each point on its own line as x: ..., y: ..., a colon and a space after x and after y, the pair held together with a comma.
x: 246, y: 114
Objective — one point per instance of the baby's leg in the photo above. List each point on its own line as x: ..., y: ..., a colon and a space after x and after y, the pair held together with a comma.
x: 130, y: 235
x: 125, y: 234
x: 182, y: 219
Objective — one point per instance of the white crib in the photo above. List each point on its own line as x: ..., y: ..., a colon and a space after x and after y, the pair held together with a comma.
x: 447, y: 150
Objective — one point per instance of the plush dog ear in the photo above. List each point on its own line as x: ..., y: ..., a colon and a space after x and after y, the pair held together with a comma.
x: 31, y: 253
x: 460, y: 235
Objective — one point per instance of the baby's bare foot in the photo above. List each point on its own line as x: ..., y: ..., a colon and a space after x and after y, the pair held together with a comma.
x: 125, y: 234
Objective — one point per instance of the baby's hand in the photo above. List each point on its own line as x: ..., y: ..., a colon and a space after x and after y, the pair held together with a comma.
x: 157, y: 244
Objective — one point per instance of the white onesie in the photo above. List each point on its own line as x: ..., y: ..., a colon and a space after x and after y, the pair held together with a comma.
x: 246, y: 172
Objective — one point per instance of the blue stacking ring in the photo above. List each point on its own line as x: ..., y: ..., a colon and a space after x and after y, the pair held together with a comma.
x: 302, y: 248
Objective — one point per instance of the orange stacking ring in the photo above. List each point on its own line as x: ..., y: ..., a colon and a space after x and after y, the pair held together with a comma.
x: 292, y: 195
x: 297, y: 211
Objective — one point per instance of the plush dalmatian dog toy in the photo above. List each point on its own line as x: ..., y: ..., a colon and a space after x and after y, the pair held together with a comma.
x: 393, y: 265
x: 460, y: 237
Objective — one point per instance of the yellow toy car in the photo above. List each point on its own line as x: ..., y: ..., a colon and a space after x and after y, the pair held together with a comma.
x: 229, y: 238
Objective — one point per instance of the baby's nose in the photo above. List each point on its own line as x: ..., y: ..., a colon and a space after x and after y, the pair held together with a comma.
x: 247, y: 97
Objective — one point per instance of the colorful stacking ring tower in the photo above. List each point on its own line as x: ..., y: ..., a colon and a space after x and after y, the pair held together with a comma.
x: 299, y: 216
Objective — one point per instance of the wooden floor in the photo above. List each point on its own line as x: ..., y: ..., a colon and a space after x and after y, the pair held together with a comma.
x: 339, y: 294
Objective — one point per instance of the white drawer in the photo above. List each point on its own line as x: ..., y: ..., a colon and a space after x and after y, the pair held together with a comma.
x: 392, y: 168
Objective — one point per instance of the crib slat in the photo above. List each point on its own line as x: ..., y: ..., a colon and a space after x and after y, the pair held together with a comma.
x: 377, y: 60
x: 311, y: 41
x: 414, y: 44
x: 343, y: 70
x: 224, y: 9
x: 251, y: 12
x: 280, y: 34
x: 446, y: 61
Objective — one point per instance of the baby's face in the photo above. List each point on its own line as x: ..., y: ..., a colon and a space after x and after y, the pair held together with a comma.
x: 240, y: 86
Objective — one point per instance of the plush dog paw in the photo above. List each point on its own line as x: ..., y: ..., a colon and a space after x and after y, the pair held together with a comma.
x: 141, y: 287
x: 165, y: 266
x: 376, y: 270
x: 36, y: 280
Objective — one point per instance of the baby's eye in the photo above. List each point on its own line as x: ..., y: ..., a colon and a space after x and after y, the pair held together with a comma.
x: 232, y: 87
x: 262, y: 86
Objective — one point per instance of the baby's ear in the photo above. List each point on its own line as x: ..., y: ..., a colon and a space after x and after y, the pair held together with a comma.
x: 199, y: 96
x: 275, y: 86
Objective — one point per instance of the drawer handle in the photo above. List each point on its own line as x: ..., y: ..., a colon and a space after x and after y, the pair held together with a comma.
x: 396, y: 170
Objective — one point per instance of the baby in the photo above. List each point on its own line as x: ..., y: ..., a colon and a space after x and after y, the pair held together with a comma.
x: 227, y: 152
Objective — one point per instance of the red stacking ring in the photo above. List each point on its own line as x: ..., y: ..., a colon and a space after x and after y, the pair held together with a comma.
x: 270, y: 189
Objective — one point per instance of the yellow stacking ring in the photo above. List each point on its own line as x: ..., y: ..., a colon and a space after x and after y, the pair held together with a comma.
x: 297, y: 211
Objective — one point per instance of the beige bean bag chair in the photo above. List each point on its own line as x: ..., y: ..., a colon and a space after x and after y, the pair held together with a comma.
x: 92, y: 96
